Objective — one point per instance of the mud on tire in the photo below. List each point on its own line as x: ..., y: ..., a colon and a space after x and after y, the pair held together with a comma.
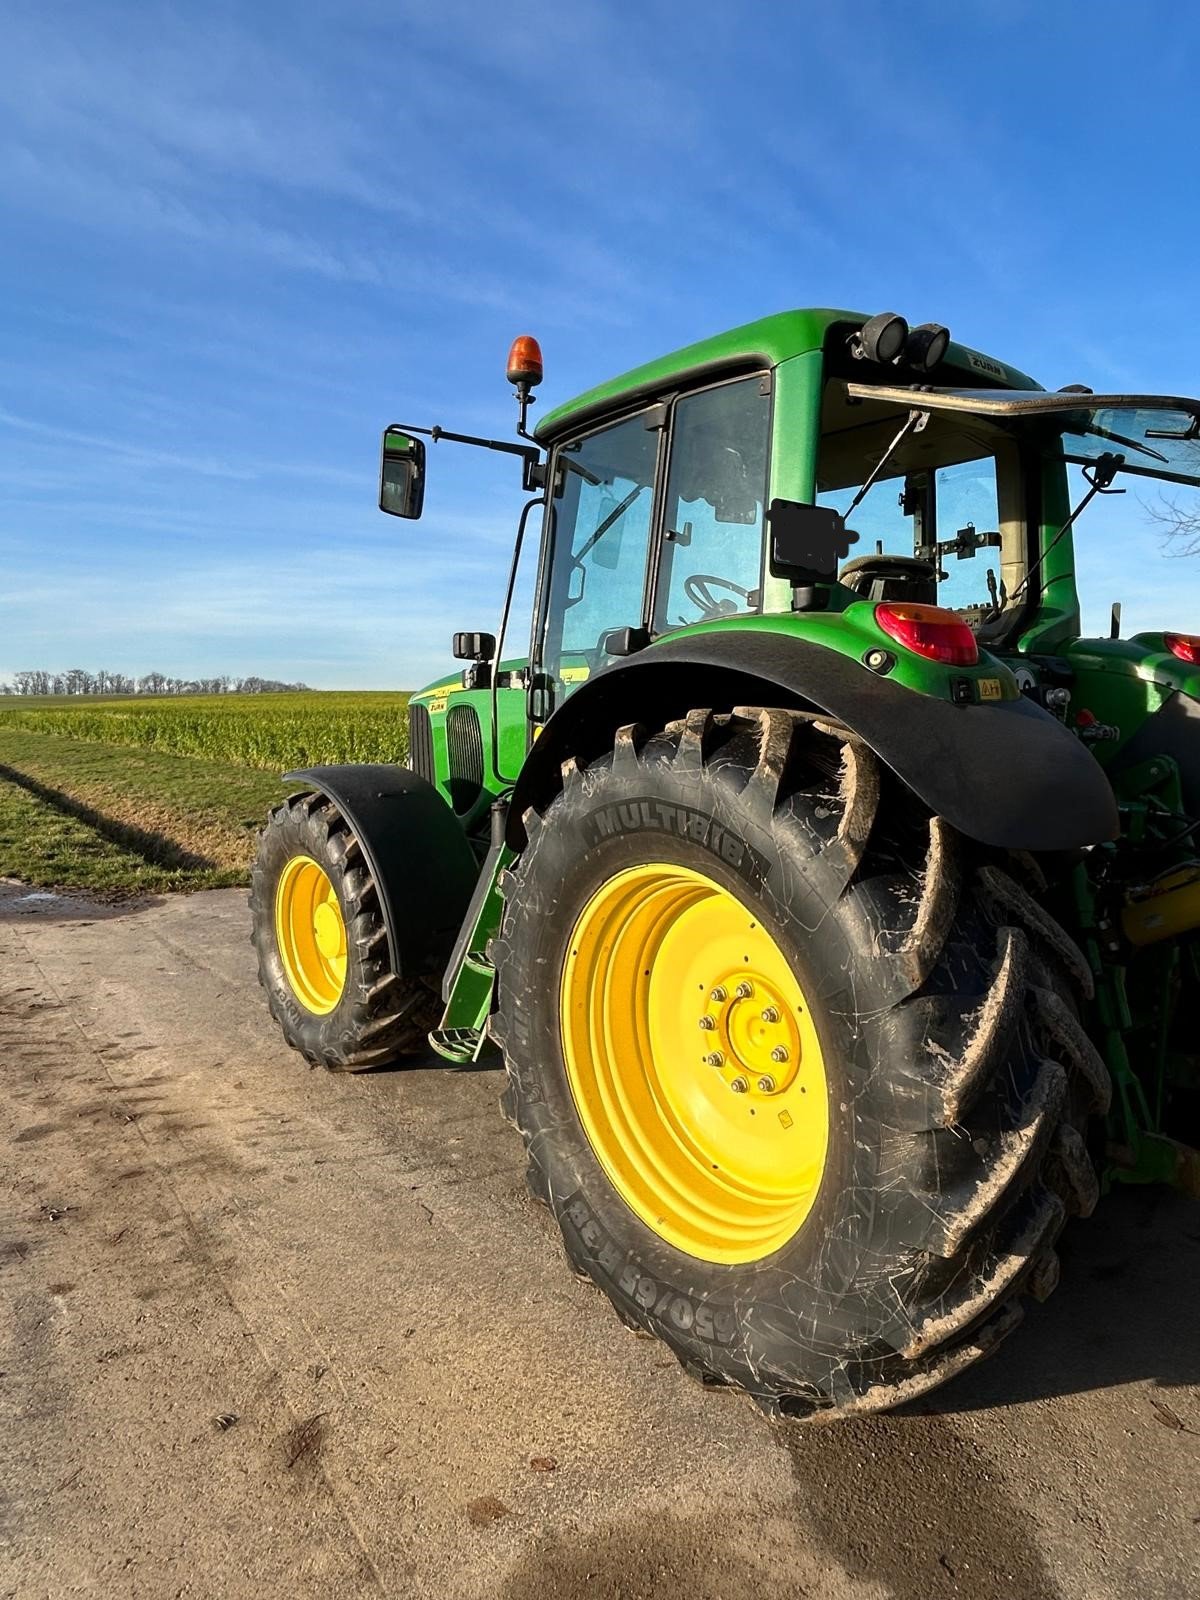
x: 960, y: 1081
x: 380, y: 1015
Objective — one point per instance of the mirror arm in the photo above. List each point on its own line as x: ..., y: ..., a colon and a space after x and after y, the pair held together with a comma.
x: 532, y: 477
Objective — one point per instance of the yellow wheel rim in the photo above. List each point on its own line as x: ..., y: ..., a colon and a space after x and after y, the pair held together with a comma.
x: 694, y: 1063
x: 311, y: 934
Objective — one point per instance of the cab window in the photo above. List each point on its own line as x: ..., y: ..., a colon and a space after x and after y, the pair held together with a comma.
x: 710, y: 564
x: 937, y: 513
x: 596, y: 583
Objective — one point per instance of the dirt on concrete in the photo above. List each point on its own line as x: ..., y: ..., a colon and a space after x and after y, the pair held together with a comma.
x: 270, y: 1331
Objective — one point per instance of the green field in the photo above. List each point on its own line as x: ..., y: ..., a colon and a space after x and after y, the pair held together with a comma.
x: 142, y: 795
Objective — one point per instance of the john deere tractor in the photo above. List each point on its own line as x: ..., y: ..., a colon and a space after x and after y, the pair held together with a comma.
x: 831, y: 902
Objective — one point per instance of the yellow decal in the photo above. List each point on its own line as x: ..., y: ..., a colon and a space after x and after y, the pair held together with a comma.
x: 436, y: 697
x: 573, y: 674
x: 990, y: 689
x: 437, y: 705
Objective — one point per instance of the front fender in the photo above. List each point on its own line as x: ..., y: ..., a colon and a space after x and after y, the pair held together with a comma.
x: 1007, y: 774
x: 423, y: 867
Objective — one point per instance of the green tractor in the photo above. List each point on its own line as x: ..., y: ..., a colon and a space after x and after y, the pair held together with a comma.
x: 832, y: 903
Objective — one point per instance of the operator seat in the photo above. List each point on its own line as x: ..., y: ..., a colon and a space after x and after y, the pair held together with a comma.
x: 883, y: 577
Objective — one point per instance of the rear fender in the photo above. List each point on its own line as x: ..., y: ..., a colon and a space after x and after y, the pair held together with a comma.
x: 1007, y: 774
x: 423, y: 867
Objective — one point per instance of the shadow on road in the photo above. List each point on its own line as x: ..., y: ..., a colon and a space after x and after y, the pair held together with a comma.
x: 1126, y: 1310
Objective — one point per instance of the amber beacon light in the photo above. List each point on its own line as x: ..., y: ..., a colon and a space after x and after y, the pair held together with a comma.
x: 525, y: 362
x: 524, y: 373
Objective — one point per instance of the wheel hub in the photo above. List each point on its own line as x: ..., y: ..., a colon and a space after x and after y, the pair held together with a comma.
x: 330, y: 931
x: 749, y: 1023
x: 310, y: 934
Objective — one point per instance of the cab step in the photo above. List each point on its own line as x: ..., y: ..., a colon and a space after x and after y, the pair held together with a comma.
x: 460, y: 1045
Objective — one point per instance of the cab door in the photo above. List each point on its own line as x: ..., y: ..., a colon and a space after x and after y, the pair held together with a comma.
x: 596, y: 557
x: 710, y: 555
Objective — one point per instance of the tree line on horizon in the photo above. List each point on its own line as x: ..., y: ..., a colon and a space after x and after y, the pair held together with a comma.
x: 78, y: 681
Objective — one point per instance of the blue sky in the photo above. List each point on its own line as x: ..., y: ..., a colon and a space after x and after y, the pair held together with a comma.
x: 237, y: 239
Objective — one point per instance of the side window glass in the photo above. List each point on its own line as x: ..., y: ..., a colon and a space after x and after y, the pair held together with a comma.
x: 968, y: 532
x: 711, y: 562
x: 603, y: 502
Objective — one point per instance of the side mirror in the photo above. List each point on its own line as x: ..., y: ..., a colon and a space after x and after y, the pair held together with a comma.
x: 473, y: 646
x: 402, y: 475
x: 808, y: 543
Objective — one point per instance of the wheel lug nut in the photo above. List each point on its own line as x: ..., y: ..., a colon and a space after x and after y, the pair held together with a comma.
x: 766, y: 1083
x: 743, y: 991
x: 779, y: 1054
x: 719, y: 995
x: 707, y: 1024
x: 770, y: 1014
x: 716, y: 1059
x: 739, y: 1086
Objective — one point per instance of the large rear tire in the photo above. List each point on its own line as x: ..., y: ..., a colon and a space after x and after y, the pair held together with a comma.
x: 322, y: 946
x: 835, y: 1199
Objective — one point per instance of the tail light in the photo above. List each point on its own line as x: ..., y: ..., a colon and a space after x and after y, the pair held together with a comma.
x: 1184, y: 645
x: 929, y: 631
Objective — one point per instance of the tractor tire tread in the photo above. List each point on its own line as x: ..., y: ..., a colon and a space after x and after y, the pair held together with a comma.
x: 383, y: 1015
x: 993, y: 1077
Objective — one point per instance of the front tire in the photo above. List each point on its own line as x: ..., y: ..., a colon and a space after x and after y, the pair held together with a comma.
x: 856, y: 1235
x: 322, y: 947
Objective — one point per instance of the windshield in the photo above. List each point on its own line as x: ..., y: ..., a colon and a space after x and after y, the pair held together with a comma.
x: 1149, y: 443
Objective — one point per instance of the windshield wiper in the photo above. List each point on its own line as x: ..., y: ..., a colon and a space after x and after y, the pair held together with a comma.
x: 1192, y: 431
x: 609, y: 520
x: 1119, y: 438
x: 1100, y: 480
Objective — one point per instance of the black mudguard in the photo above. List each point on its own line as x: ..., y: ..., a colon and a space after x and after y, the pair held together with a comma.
x: 422, y: 864
x: 1006, y: 773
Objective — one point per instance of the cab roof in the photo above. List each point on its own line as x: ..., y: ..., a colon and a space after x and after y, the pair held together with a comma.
x: 766, y: 342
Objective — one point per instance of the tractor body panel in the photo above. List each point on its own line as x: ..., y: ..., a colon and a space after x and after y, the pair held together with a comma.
x: 450, y: 745
x: 1001, y: 770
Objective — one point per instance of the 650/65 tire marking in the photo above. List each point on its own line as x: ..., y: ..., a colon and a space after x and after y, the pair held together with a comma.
x: 663, y: 1301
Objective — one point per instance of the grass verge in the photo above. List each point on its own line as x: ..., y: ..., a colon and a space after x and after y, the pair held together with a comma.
x: 123, y: 820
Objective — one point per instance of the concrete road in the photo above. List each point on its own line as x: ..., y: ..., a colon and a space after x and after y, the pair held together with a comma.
x: 271, y: 1332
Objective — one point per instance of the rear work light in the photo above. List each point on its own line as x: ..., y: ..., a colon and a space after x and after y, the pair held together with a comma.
x: 1184, y: 645
x: 929, y: 631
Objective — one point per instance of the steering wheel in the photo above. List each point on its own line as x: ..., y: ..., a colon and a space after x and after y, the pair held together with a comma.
x: 698, y: 587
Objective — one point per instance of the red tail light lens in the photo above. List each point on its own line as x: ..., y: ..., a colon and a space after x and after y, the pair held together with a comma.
x: 929, y: 631
x: 1184, y: 645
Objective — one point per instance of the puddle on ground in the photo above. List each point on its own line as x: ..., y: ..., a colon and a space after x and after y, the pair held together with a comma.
x: 21, y: 902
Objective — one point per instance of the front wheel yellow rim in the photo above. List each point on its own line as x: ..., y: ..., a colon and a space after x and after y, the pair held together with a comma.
x: 310, y: 932
x: 694, y: 1063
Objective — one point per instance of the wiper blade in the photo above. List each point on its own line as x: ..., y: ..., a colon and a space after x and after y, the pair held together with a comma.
x: 1192, y: 431
x: 612, y: 517
x: 1132, y: 444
